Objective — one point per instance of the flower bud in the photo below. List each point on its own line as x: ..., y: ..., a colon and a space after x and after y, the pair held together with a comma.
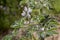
x: 25, y: 9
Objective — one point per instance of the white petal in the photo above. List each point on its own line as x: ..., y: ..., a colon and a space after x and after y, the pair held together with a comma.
x: 44, y: 4
x: 35, y: 2
x: 42, y: 29
x: 28, y: 15
x: 26, y: 22
x: 25, y: 8
x: 23, y: 14
x: 29, y: 10
x: 37, y: 26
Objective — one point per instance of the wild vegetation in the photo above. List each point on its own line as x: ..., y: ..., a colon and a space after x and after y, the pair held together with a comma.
x: 29, y: 19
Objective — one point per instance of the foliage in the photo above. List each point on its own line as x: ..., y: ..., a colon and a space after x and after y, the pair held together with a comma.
x: 41, y: 23
x: 36, y: 19
x: 8, y: 13
x: 56, y: 5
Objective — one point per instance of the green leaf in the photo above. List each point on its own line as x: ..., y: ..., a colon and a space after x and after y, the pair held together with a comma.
x: 51, y: 33
x: 57, y: 5
x: 7, y: 37
x: 43, y: 34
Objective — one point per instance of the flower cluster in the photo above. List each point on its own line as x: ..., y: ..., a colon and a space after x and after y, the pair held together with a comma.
x: 26, y: 12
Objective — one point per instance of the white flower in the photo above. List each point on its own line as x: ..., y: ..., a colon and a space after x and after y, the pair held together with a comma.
x: 28, y: 15
x: 42, y: 29
x: 25, y: 9
x: 26, y: 22
x: 44, y: 4
x: 23, y: 14
x: 29, y: 10
x: 35, y: 2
